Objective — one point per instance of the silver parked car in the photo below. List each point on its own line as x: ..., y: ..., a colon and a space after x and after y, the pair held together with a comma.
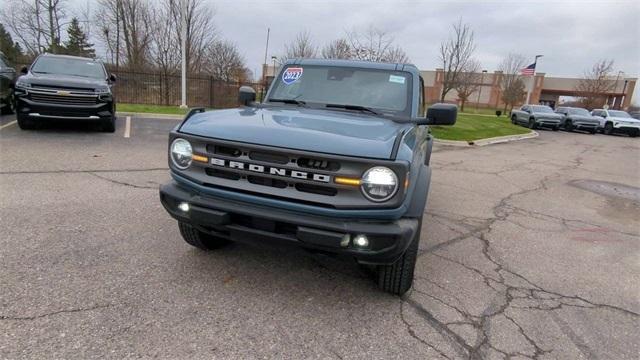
x: 574, y: 118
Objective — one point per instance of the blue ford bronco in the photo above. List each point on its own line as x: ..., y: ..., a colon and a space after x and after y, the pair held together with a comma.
x: 335, y: 160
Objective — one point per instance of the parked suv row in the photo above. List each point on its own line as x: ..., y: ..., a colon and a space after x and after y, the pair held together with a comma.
x: 573, y: 118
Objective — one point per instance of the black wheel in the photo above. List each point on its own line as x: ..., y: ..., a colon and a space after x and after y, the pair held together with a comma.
x: 608, y: 128
x: 109, y: 125
x: 568, y: 126
x: 513, y: 120
x: 398, y: 277
x: 634, y: 133
x: 10, y: 104
x: 24, y: 123
x: 197, y: 238
x: 532, y: 124
x: 593, y: 131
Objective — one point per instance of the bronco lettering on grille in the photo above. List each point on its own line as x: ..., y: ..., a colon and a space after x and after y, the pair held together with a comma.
x: 270, y: 170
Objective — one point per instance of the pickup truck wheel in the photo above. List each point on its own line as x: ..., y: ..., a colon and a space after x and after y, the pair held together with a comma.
x: 514, y: 120
x: 109, y: 125
x: 568, y: 126
x: 24, y: 123
x: 398, y: 277
x: 532, y: 124
x: 197, y: 238
x: 608, y: 128
x: 10, y: 104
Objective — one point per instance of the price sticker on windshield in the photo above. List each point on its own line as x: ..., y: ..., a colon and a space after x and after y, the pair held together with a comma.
x: 396, y: 79
x: 291, y: 75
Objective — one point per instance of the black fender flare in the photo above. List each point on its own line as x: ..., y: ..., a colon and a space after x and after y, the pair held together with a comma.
x: 420, y: 193
x: 427, y: 153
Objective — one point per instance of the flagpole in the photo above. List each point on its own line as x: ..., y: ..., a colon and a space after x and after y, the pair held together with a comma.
x: 533, y: 77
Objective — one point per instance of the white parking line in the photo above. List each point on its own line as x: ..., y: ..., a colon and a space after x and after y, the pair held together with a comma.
x: 127, y: 127
x: 8, y: 124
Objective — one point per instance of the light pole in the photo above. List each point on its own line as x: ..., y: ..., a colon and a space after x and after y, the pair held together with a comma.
x: 533, y: 78
x: 273, y: 70
x: 480, y: 89
x: 183, y: 17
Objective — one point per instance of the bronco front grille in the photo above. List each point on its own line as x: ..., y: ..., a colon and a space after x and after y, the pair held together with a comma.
x: 286, y: 174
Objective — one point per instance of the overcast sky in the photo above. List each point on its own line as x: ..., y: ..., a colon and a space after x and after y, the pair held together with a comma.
x: 571, y: 35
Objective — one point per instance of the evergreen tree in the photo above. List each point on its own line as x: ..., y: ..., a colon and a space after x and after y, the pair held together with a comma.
x: 10, y: 49
x: 77, y: 44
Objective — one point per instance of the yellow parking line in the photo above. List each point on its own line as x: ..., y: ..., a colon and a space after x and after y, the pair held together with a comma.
x: 127, y: 127
x: 9, y: 124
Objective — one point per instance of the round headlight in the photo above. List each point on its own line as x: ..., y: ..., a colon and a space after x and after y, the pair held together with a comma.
x: 181, y: 153
x: 379, y: 184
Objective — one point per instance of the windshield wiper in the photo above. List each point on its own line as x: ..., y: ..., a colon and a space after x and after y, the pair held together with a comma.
x: 289, y: 101
x: 354, y: 107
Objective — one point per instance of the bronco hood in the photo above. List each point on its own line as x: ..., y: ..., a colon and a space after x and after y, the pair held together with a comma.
x: 326, y: 131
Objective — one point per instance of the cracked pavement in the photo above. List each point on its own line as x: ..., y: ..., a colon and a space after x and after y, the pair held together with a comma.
x: 529, y: 249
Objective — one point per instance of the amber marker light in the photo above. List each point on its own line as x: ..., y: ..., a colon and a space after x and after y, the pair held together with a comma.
x: 346, y: 181
x: 200, y: 158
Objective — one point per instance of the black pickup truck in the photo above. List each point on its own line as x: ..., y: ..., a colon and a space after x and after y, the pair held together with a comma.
x: 335, y: 159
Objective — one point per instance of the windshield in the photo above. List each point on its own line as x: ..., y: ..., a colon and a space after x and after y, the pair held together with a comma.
x: 68, y: 66
x: 616, y: 113
x: 583, y: 112
x: 542, y: 109
x: 387, y: 92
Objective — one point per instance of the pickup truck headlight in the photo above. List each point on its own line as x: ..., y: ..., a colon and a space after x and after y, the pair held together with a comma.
x: 181, y: 153
x: 21, y: 84
x: 379, y: 184
x: 103, y: 90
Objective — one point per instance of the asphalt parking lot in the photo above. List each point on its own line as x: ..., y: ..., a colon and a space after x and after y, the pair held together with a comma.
x: 529, y: 249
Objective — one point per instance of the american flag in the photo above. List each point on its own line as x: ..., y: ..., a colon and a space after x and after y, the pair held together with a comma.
x: 529, y: 70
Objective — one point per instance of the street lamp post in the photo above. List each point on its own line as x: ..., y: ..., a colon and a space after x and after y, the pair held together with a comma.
x: 480, y: 89
x: 183, y: 17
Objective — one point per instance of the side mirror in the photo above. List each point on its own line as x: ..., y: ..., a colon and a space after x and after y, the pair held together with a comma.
x: 441, y: 114
x: 24, y: 70
x: 246, y: 95
x: 113, y: 78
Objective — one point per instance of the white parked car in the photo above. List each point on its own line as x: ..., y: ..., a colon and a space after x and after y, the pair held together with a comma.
x: 617, y: 121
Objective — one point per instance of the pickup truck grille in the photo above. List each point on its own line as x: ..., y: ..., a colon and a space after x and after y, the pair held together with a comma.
x: 63, y: 99
x: 290, y: 175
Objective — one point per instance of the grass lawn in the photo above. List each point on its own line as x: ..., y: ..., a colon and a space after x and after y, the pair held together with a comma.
x: 156, y: 109
x: 474, y: 127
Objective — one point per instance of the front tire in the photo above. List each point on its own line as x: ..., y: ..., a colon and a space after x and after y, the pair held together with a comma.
x: 608, y: 128
x: 568, y: 126
x: 532, y: 124
x: 199, y: 239
x: 109, y: 125
x: 24, y: 123
x: 398, y: 277
x: 513, y: 120
x: 10, y: 105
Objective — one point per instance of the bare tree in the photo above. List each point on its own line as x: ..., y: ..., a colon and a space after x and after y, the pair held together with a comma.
x: 301, y: 47
x: 201, y: 30
x: 129, y: 22
x: 224, y: 62
x: 337, y: 49
x: 37, y: 24
x: 595, y: 84
x: 469, y: 81
x: 374, y: 44
x: 512, y: 86
x: 455, y: 53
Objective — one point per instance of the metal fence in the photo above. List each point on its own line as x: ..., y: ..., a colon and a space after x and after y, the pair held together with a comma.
x: 164, y: 89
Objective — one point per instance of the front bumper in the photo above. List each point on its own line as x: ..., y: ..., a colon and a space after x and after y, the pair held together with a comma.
x: 245, y: 222
x: 585, y: 125
x: 548, y: 122
x: 626, y: 128
x: 37, y: 110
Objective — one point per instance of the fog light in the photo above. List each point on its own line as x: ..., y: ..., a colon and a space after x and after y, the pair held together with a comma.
x: 361, y: 241
x: 183, y: 206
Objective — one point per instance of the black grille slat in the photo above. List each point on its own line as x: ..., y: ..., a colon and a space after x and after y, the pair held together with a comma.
x: 319, y: 164
x: 224, y: 150
x: 63, y: 99
x: 316, y: 189
x: 222, y: 174
x: 269, y: 157
x: 265, y: 181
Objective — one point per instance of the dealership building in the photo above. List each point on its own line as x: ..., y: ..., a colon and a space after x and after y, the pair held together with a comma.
x: 547, y: 90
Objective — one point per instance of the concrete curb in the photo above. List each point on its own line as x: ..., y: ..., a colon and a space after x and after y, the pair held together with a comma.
x: 489, y: 141
x: 151, y: 115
